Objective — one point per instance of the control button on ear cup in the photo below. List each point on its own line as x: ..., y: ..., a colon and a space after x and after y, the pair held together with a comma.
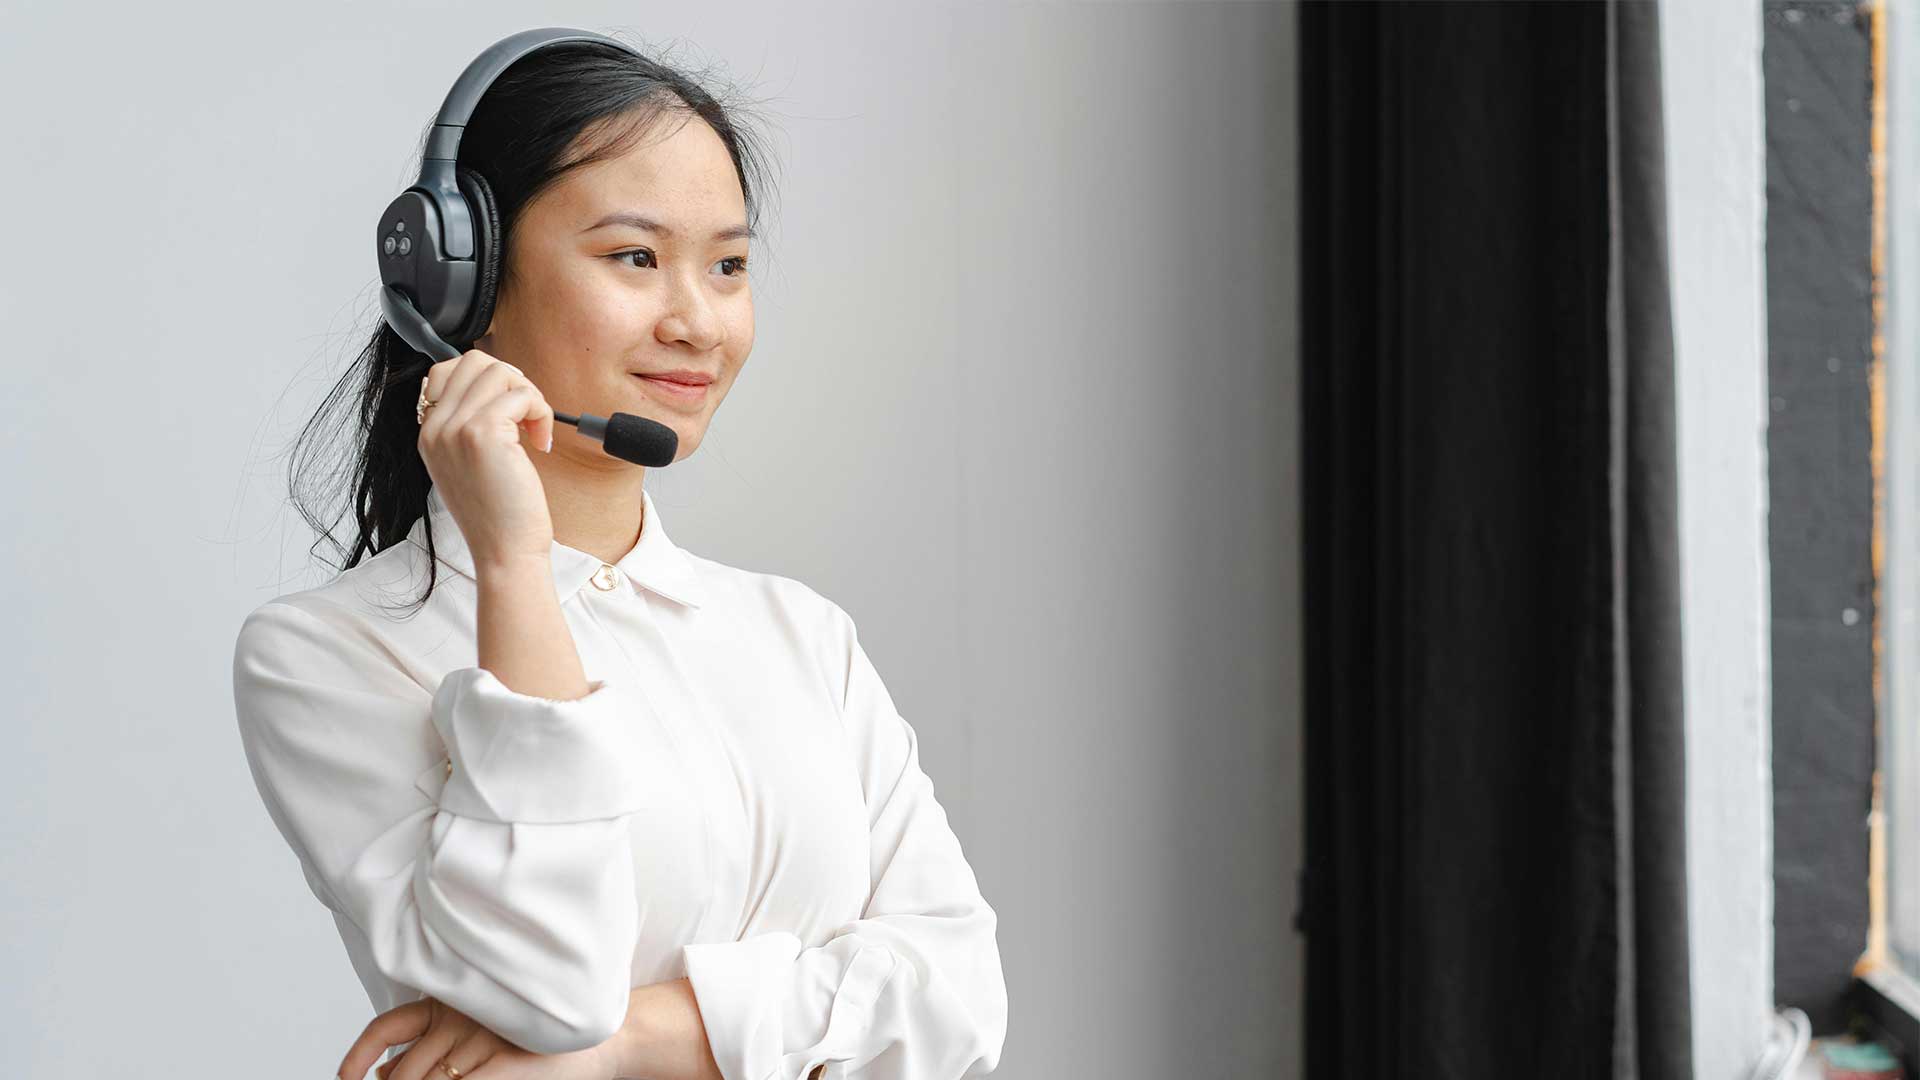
x: 411, y: 259
x: 486, y: 228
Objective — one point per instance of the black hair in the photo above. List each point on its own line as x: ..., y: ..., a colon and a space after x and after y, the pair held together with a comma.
x: 519, y: 138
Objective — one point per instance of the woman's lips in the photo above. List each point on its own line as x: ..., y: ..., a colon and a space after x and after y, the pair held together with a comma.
x: 676, y: 391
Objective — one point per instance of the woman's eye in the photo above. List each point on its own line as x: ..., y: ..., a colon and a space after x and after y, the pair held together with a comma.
x: 736, y: 264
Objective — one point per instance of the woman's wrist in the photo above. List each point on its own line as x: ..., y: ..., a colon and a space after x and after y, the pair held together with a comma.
x: 511, y: 566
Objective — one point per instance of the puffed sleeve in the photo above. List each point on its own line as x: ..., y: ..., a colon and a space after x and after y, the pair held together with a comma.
x: 512, y: 898
x: 912, y: 990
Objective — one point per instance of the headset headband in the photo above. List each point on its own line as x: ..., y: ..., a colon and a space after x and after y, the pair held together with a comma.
x: 443, y: 142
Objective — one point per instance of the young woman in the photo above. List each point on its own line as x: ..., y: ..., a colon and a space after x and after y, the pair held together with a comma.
x: 596, y: 806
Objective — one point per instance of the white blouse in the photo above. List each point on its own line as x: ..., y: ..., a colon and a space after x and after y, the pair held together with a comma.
x: 736, y: 801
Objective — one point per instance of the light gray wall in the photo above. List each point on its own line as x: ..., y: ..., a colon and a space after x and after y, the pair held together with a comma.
x: 1716, y: 182
x: 1022, y: 400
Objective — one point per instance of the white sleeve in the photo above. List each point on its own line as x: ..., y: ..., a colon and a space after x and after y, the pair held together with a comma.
x: 512, y: 899
x: 912, y: 990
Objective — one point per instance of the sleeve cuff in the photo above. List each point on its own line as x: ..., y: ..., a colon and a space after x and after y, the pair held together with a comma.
x: 531, y: 760
x: 740, y: 987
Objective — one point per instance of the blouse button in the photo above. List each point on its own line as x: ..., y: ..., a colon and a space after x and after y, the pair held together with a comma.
x: 606, y: 579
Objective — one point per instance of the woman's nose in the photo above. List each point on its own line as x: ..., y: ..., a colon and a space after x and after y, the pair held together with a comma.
x: 690, y: 316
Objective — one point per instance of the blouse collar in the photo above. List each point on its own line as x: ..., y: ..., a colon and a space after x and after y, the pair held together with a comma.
x: 656, y: 563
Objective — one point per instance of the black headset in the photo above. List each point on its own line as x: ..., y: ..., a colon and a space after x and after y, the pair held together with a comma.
x: 439, y: 246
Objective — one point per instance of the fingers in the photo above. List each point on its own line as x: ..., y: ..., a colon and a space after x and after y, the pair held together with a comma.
x: 444, y: 377
x: 489, y: 394
x: 539, y: 424
x: 466, y: 1053
x: 449, y: 381
x: 404, y: 1023
x: 475, y: 383
x: 473, y: 1051
x: 422, y: 1059
x: 440, y: 375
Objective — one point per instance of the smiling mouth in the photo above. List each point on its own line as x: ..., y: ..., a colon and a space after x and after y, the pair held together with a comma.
x: 676, y: 391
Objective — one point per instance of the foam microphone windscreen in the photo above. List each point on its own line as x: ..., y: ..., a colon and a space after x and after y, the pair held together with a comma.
x: 640, y: 440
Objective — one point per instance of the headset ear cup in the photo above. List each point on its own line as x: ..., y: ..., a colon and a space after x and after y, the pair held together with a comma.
x: 486, y: 254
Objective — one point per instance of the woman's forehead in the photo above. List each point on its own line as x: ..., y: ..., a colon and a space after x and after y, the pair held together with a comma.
x: 684, y: 181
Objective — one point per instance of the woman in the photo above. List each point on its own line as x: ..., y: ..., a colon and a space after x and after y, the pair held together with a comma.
x: 598, y: 806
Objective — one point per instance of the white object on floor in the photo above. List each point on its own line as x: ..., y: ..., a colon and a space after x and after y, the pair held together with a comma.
x: 1786, y: 1051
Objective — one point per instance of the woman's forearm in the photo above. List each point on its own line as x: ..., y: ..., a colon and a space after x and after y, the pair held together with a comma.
x: 523, y: 637
x: 663, y: 1037
x: 525, y: 642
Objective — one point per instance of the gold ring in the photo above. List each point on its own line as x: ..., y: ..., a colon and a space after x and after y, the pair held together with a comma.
x: 450, y: 1070
x: 420, y: 407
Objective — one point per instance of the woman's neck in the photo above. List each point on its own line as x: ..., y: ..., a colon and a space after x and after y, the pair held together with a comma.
x: 598, y: 511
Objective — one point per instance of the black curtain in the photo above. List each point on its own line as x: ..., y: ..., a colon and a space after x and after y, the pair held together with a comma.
x: 1496, y: 859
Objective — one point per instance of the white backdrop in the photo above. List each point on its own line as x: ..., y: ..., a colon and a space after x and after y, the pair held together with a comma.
x: 1022, y: 401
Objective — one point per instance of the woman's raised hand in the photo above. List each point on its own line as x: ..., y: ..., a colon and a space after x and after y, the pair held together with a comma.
x: 472, y: 442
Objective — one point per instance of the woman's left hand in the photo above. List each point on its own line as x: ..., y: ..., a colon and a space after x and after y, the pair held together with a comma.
x: 440, y: 1032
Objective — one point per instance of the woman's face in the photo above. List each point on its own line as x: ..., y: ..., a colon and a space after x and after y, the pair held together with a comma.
x: 632, y: 265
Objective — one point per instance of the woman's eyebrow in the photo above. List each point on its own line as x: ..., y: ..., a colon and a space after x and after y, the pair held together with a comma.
x: 647, y: 224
